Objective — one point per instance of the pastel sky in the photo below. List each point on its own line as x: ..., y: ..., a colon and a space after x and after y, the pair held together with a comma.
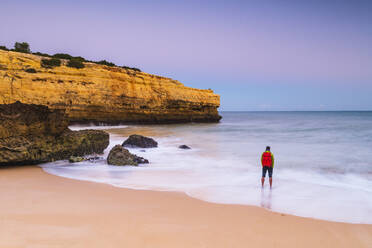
x: 258, y: 55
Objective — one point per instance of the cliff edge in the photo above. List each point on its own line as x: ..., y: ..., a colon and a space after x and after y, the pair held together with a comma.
x: 99, y: 93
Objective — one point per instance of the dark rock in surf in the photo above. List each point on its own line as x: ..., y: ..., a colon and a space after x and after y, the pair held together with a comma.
x: 140, y: 160
x: 94, y: 158
x: 136, y: 140
x: 184, y: 147
x: 121, y: 156
x: 74, y: 159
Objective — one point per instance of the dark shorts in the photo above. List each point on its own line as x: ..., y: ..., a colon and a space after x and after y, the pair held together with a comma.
x: 269, y: 169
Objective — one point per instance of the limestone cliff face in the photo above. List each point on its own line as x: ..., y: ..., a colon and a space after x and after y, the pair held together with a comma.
x: 100, y: 93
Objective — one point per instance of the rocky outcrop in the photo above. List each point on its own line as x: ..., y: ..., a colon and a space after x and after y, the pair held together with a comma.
x: 32, y: 134
x: 76, y: 159
x: 121, y: 156
x: 99, y: 93
x: 136, y: 140
x: 185, y: 147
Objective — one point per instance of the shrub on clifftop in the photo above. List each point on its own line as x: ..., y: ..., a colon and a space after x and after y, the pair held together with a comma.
x: 30, y: 70
x: 104, y: 62
x: 75, y: 63
x: 131, y: 68
x: 50, y: 63
x: 62, y: 56
x: 79, y: 58
x: 22, y: 47
x: 42, y: 54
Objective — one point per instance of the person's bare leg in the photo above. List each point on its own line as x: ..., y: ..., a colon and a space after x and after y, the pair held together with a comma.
x: 262, y: 181
x: 271, y: 182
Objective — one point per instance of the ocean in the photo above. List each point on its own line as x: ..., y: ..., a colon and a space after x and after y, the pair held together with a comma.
x: 323, y: 162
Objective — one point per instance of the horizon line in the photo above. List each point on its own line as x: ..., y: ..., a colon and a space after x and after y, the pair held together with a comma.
x: 295, y: 111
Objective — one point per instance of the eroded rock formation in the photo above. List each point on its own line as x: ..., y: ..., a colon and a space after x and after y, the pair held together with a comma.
x: 32, y: 134
x: 121, y: 156
x: 136, y: 140
x: 99, y: 93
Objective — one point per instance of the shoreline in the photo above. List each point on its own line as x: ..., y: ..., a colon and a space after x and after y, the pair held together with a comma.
x: 42, y: 209
x: 206, y: 201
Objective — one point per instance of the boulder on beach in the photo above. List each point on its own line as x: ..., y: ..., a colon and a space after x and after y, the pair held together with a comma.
x: 33, y: 134
x: 136, y: 140
x: 184, y: 147
x: 76, y: 159
x: 94, y: 158
x: 121, y: 156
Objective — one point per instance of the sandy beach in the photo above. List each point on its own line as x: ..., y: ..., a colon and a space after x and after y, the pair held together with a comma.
x: 42, y: 210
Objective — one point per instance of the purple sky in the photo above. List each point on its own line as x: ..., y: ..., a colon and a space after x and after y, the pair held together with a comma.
x: 258, y: 55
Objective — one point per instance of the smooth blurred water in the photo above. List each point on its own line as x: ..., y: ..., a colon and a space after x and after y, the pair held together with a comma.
x: 323, y: 162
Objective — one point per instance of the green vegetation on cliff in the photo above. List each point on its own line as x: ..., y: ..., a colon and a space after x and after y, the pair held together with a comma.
x: 99, y: 93
x: 104, y: 62
x: 50, y: 63
x: 73, y: 61
x: 30, y: 70
x: 4, y: 48
x: 22, y: 47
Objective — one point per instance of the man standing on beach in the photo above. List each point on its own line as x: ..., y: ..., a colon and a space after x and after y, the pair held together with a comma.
x: 267, y: 160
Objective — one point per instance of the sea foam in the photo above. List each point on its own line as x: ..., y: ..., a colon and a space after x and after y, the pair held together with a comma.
x: 323, y: 168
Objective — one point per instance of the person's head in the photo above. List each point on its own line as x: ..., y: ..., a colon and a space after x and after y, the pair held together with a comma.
x: 267, y: 148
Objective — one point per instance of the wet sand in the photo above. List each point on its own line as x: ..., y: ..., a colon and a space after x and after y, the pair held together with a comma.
x: 42, y: 210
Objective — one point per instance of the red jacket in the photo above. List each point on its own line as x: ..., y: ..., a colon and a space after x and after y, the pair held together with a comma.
x: 267, y: 159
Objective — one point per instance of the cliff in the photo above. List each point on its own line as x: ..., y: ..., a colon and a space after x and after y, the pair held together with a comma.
x: 99, y: 93
x: 32, y: 134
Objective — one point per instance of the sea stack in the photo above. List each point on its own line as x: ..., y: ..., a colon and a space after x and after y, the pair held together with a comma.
x: 100, y: 93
